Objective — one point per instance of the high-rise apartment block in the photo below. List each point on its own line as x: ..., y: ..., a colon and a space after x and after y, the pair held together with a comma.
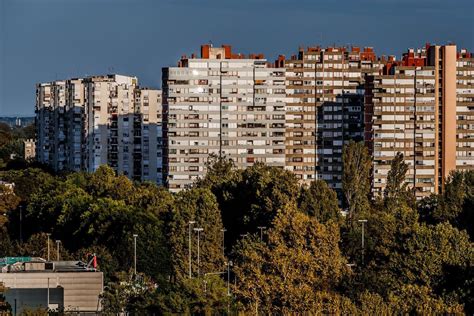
x: 325, y: 108
x: 296, y: 113
x: 465, y: 110
x: 222, y: 104
x: 422, y: 107
x: 87, y: 122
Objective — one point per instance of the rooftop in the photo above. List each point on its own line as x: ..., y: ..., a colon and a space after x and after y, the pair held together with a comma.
x: 37, y: 264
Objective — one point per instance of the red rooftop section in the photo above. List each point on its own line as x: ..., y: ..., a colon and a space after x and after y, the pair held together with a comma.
x: 464, y: 53
x: 412, y: 58
x: 208, y: 51
x: 224, y: 52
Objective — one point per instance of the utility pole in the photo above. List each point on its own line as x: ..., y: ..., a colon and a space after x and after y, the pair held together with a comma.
x: 57, y: 249
x: 363, y: 221
x: 190, y: 223
x: 199, y: 230
x: 135, y: 253
x: 262, y: 228
x: 47, y: 243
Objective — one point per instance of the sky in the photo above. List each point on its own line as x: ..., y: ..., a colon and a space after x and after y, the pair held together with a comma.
x: 46, y: 40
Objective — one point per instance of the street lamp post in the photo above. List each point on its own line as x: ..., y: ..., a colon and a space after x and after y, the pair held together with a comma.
x: 190, y: 223
x: 57, y: 249
x: 229, y: 264
x: 363, y: 221
x: 199, y: 230
x: 47, y: 306
x: 21, y: 224
x: 135, y: 253
x: 262, y: 228
x: 47, y: 243
x: 223, y: 230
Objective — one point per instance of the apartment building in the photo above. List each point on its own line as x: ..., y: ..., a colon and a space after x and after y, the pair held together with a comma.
x: 222, y: 104
x: 295, y: 113
x: 325, y: 109
x: 46, y: 111
x: 422, y: 107
x: 83, y: 123
x: 29, y: 149
x: 465, y: 110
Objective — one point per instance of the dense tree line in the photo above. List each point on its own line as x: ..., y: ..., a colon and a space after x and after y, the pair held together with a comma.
x: 11, y: 144
x: 288, y: 249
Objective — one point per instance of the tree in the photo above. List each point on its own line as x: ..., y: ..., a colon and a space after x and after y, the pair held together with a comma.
x: 299, y: 258
x: 384, y: 232
x: 198, y: 205
x: 106, y: 262
x: 8, y: 200
x: 453, y: 196
x: 220, y: 171
x: 31, y: 181
x: 130, y: 295
x: 424, y: 257
x: 11, y: 144
x: 455, y: 205
x: 250, y: 198
x: 355, y: 179
x: 104, y: 183
x: 396, y: 191
x: 37, y: 246
x: 320, y: 201
x: 373, y: 304
x: 5, y: 308
x: 112, y: 223
x: 6, y: 246
x: 205, y: 295
x: 401, y: 251
x: 5, y: 134
x: 419, y: 300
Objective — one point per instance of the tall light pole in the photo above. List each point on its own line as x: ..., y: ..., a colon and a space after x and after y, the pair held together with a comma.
x: 262, y: 228
x: 57, y: 249
x: 135, y: 253
x: 229, y: 264
x: 363, y: 221
x: 21, y: 223
x: 47, y: 243
x: 223, y: 230
x: 190, y: 223
x: 199, y: 230
x: 47, y: 306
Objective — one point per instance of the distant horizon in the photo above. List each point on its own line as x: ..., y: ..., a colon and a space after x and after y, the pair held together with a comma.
x: 18, y: 116
x: 40, y: 43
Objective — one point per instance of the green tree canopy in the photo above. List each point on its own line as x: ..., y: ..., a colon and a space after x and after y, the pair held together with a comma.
x: 320, y: 201
x: 355, y: 178
x: 198, y: 205
x: 396, y: 190
x: 300, y: 257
